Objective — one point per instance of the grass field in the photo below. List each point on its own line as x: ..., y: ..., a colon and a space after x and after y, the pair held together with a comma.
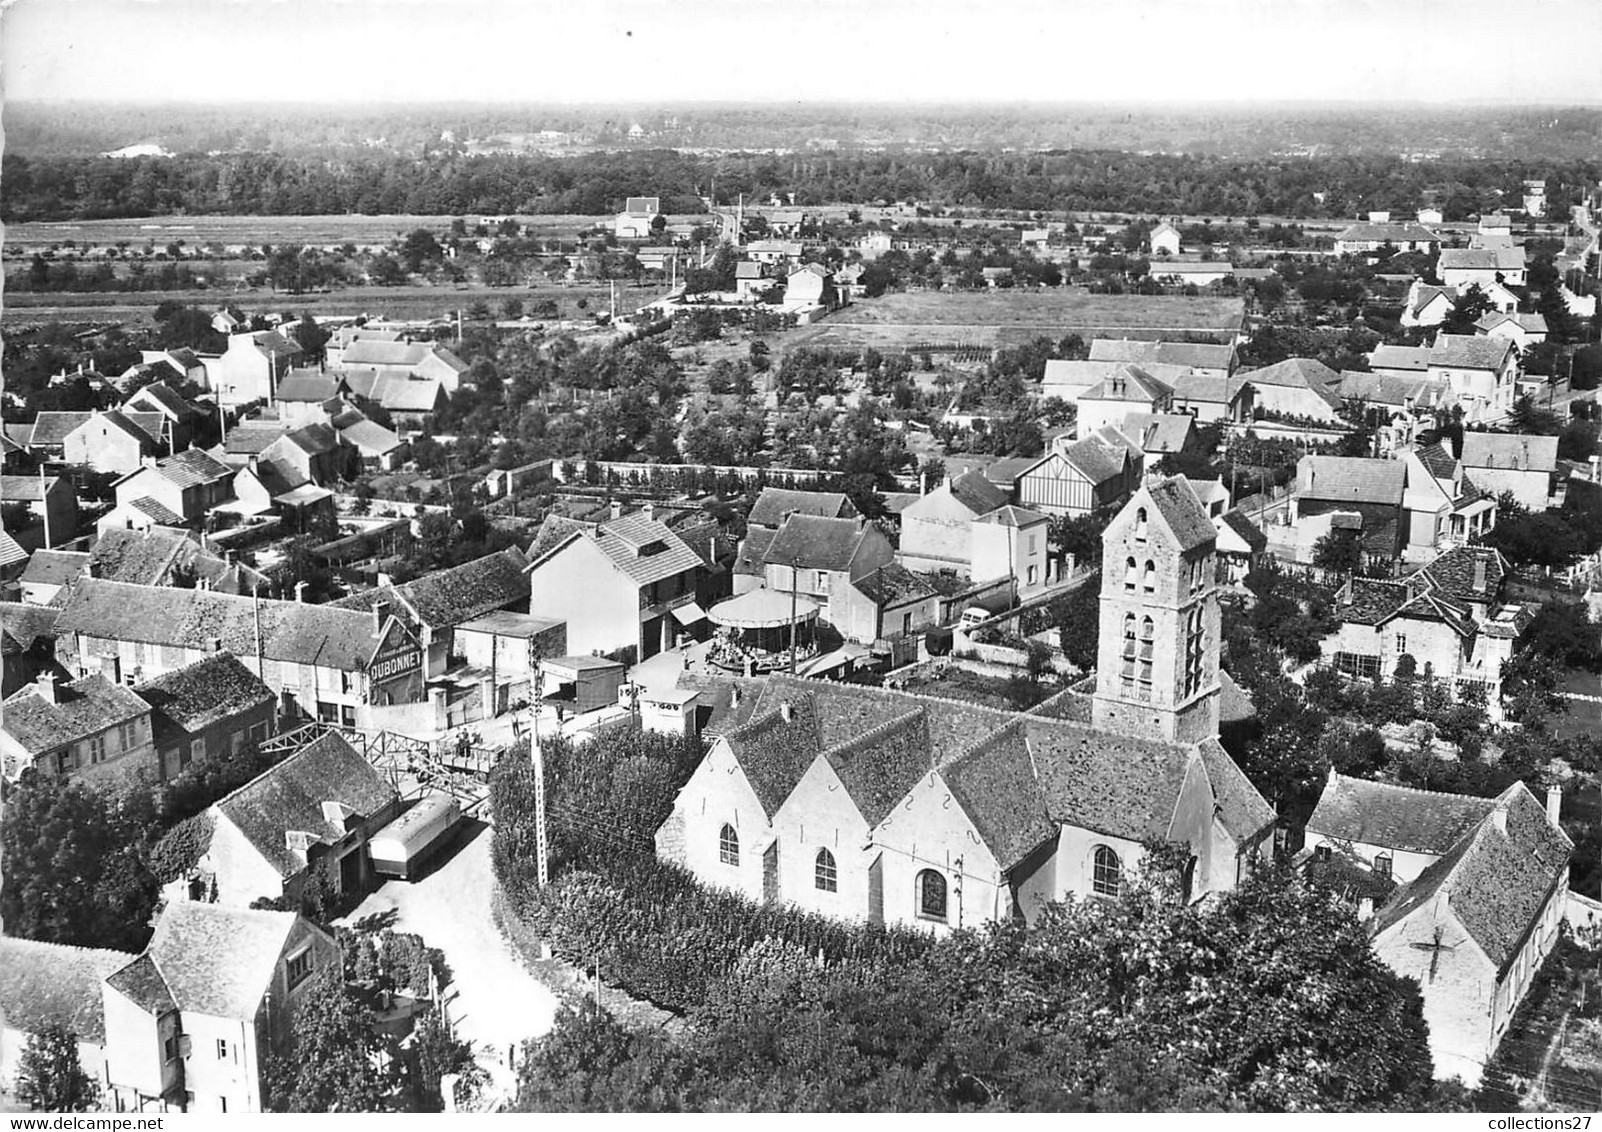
x: 261, y: 229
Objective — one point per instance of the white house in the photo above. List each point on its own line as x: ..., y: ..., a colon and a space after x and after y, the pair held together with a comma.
x: 1459, y: 267
x: 1510, y: 462
x: 1165, y: 239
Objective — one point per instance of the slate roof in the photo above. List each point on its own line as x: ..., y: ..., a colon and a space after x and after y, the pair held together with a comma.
x: 1436, y: 460
x: 11, y: 551
x: 1241, y: 809
x: 1396, y: 817
x: 1469, y: 351
x: 893, y: 584
x: 813, y: 543
x: 289, y: 798
x: 290, y: 631
x: 54, y: 567
x: 218, y: 961
x: 1351, y: 479
x: 774, y: 752
x: 1176, y: 501
x: 1510, y: 451
x: 87, y: 707
x: 775, y: 503
x: 879, y: 767
x: 198, y: 695
x: 1452, y: 573
x: 1425, y: 294
x: 1495, y: 880
x: 461, y: 593
x: 50, y: 429
x: 1370, y: 601
x: 44, y: 984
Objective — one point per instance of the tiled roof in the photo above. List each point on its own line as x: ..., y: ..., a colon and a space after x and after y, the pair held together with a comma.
x: 1453, y: 573
x: 449, y: 597
x: 1200, y: 355
x: 882, y: 764
x: 1397, y: 817
x: 1424, y: 295
x: 1510, y: 451
x: 1299, y: 373
x: 1159, y: 432
x: 290, y: 796
x: 1421, y: 393
x: 50, y: 429
x: 292, y: 631
x: 1481, y: 259
x: 554, y: 529
x: 193, y: 466
x: 1011, y: 515
x: 164, y: 399
x: 1350, y: 479
x: 813, y: 543
x: 1437, y: 461
x: 891, y: 585
x: 752, y: 558
x: 369, y: 437
x: 1176, y: 502
x: 196, y: 696
x: 45, y: 984
x: 1094, y: 460
x: 1207, y: 389
x: 408, y: 395
x: 996, y: 785
x: 1401, y: 233
x: 1529, y: 323
x: 1469, y: 351
x: 1249, y: 531
x: 141, y: 983
x: 1371, y: 601
x: 1241, y: 809
x: 308, y: 386
x: 1496, y: 878
x: 11, y: 551
x: 775, y: 752
x: 1128, y: 383
x: 23, y: 624
x: 157, y: 511
x: 775, y: 503
x: 644, y: 549
x: 25, y: 489
x: 219, y: 961
x: 54, y: 567
x: 86, y: 708
x: 975, y: 492
x: 268, y: 342
x: 1416, y: 358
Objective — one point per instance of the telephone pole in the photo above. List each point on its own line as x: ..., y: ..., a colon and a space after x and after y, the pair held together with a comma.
x: 542, y: 852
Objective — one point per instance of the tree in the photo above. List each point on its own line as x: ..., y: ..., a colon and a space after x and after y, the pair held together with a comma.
x: 433, y: 1054
x: 1340, y: 551
x: 1471, y: 306
x: 311, y: 338
x: 1079, y: 628
x: 331, y: 1066
x: 49, y: 1076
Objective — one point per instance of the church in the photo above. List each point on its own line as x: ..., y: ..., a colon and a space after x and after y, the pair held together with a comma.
x: 888, y: 807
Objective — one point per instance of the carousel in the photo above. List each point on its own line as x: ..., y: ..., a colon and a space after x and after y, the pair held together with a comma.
x: 757, y: 631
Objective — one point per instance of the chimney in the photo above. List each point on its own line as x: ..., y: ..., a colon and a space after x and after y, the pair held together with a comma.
x: 380, y: 615
x: 250, y: 461
x: 46, y: 683
x: 1479, y: 575
x: 93, y: 569
x: 300, y: 592
x: 214, y: 644
x: 111, y: 669
x: 649, y: 510
x: 617, y: 508
x: 1499, y: 816
x: 1554, y: 804
x: 786, y: 711
x: 734, y: 696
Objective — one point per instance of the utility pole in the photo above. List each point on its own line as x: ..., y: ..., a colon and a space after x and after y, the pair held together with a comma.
x: 795, y: 582
x: 44, y: 505
x: 542, y: 853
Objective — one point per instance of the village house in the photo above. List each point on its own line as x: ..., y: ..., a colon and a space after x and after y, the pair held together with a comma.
x: 811, y: 283
x: 89, y: 729
x: 1399, y: 361
x: 49, y: 572
x: 1240, y: 546
x: 629, y: 583
x: 339, y: 666
x: 1524, y: 466
x: 191, y: 1023
x: 52, y: 984
x: 1427, y: 304
x: 48, y: 437
x: 634, y: 222
x: 208, y: 709
x: 968, y: 526
x: 307, y: 396
x: 186, y: 485
x: 369, y: 360
x: 1160, y: 434
x: 49, y: 510
x: 27, y: 645
x: 304, y: 822
x: 1461, y: 267
x: 377, y: 448
x: 1443, y: 506
x: 1523, y: 330
x: 1164, y: 240
x: 181, y: 365
x: 885, y: 603
x: 1363, y: 494
x: 1194, y: 273
x: 1396, y: 408
x: 774, y: 252
x: 250, y: 369
x: 1211, y: 359
x: 1078, y: 477
x: 1296, y: 387
x: 179, y: 418
x: 156, y: 557
x: 879, y: 806
x: 1212, y: 399
x: 1128, y: 389
x: 1482, y: 374
x: 1406, y: 236
x: 1481, y: 887
x: 1449, y: 616
x: 817, y: 559
x: 114, y: 441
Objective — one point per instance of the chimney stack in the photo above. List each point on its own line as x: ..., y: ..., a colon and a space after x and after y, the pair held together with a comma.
x: 214, y: 644
x: 1554, y: 803
x: 1479, y: 575
x: 649, y: 510
x: 786, y: 711
x: 380, y: 615
x: 617, y: 508
x: 46, y: 683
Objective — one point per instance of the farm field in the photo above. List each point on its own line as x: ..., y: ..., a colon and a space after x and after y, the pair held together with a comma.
x: 989, y: 318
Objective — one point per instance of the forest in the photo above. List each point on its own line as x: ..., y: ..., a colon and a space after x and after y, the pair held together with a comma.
x: 268, y: 184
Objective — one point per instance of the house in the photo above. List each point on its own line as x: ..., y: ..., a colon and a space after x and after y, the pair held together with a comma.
x: 1400, y: 361
x: 48, y: 437
x: 251, y: 367
x: 311, y: 453
x: 774, y: 251
x: 180, y: 418
x: 888, y: 602
x: 376, y: 447
x: 634, y: 222
x: 304, y: 821
x: 1430, y: 216
x: 210, y: 708
x: 1128, y: 389
x: 49, y: 514
x: 630, y: 583
x: 1194, y: 273
x: 27, y: 645
x: 436, y: 603
x: 1511, y: 462
x: 114, y: 441
x: 508, y: 644
x: 1164, y: 240
x: 52, y: 984
x: 1481, y: 888
x: 192, y: 1023
x: 410, y: 402
x: 334, y: 348
x: 1160, y: 434
x: 181, y: 365
x: 89, y: 729
x: 372, y: 359
x: 750, y: 280
x: 1404, y: 237
x: 1442, y: 506
x: 817, y: 559
x: 1208, y: 358
x: 154, y: 557
x: 577, y: 685
x: 306, y: 396
x: 1428, y: 305
x: 1397, y: 408
x: 878, y: 806
x: 1297, y: 387
x: 187, y: 484
x: 1481, y: 372
x: 50, y: 571
x: 1079, y: 477
x: 811, y: 283
x: 937, y: 529
x: 776, y: 504
x: 1329, y: 487
x: 1523, y: 330
x: 1210, y: 399
x: 1240, y: 545
x: 1461, y: 267
x: 1449, y: 616
x: 339, y: 666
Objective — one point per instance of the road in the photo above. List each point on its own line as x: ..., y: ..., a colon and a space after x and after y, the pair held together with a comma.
x: 494, y: 1001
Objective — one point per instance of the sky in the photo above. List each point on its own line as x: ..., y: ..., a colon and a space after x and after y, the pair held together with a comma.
x: 580, y: 51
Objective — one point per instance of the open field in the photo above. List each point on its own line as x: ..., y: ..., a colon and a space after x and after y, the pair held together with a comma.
x: 261, y: 229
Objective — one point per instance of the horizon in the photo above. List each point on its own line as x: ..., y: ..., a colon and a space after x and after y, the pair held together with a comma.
x: 1151, y: 53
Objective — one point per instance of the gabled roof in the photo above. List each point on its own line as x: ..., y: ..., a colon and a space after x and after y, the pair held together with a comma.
x: 977, y: 493
x: 1096, y: 461
x: 50, y: 429
x: 408, y: 395
x: 54, y: 567
x: 193, y: 466
x: 1184, y: 514
x: 1453, y: 573
x: 11, y: 551
x: 1159, y: 432
x: 1424, y: 294
x: 1510, y: 451
x: 1469, y: 351
x: 891, y: 585
x: 1481, y: 259
x: 369, y: 437
x: 1201, y: 355
x: 1394, y: 390
x: 1299, y: 373
x: 157, y: 512
x: 1395, y: 817
x: 51, y: 984
x: 251, y: 438
x: 1529, y: 323
x: 219, y: 961
x: 775, y: 503
x: 308, y: 385
x: 84, y: 708
x: 289, y: 799
x: 1351, y: 479
x: 997, y: 786
x: 882, y: 764
x: 194, y: 697
x: 144, y: 428
x: 1415, y: 358
x: 1011, y: 515
x: 26, y: 489
x: 21, y: 625
x: 644, y: 549
x: 811, y: 542
x: 1401, y: 233
x: 1249, y: 531
x: 164, y: 399
x: 460, y: 593
x: 1128, y: 383
x: 266, y: 342
x: 774, y: 752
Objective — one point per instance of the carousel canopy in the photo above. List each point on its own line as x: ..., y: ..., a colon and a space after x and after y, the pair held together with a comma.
x: 761, y: 609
